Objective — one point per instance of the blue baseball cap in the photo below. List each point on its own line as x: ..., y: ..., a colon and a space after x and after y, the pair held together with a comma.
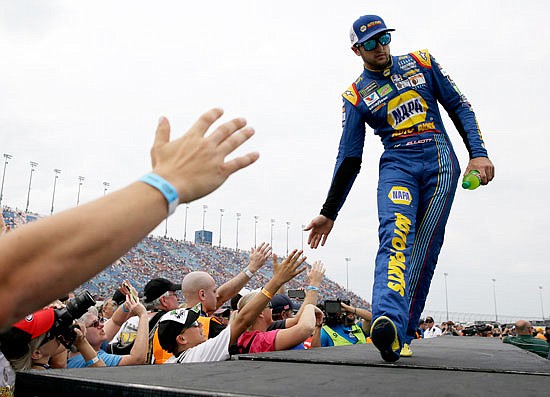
x: 366, y: 27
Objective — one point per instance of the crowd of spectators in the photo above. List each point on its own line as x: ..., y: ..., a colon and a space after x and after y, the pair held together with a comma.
x: 158, y: 257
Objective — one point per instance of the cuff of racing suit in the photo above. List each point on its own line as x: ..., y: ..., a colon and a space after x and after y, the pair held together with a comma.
x: 329, y: 214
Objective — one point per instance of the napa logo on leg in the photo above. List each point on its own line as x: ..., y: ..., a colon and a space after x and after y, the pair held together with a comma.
x: 400, y: 195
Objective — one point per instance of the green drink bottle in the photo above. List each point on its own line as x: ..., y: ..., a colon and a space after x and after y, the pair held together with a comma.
x: 471, y: 180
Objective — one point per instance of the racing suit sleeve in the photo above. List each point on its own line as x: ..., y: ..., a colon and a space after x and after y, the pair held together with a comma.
x: 459, y: 110
x: 348, y: 162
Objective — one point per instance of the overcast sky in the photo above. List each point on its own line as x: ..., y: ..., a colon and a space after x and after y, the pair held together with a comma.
x: 82, y: 85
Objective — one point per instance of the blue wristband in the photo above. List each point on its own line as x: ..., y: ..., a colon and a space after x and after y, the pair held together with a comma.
x: 168, y: 191
x: 92, y: 361
x: 311, y: 288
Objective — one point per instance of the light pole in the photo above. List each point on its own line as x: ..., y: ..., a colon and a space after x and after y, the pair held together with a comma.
x: 237, y: 237
x: 303, y: 227
x: 541, y: 306
x: 185, y: 223
x: 495, y: 297
x: 80, y: 180
x: 347, y: 273
x: 287, y: 227
x: 6, y: 158
x: 271, y: 235
x: 221, y: 216
x: 446, y: 296
x: 57, y: 172
x: 255, y: 224
x: 105, y: 187
x: 33, y: 166
x: 204, y: 208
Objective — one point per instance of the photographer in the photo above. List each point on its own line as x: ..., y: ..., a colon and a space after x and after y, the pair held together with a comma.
x: 98, y: 334
x: 340, y: 327
x: 41, y: 356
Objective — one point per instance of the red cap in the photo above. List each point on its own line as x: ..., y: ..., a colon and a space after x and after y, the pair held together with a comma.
x: 37, y: 323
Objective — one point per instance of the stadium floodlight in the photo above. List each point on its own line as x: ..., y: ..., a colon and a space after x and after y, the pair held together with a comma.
x: 204, y: 208
x: 185, y: 223
x: 80, y: 180
x: 446, y: 296
x: 237, y: 237
x: 6, y: 158
x: 495, y: 297
x: 33, y: 166
x: 221, y: 216
x: 287, y: 227
x: 255, y: 224
x: 56, y: 172
x: 541, y: 305
x: 271, y: 239
x: 347, y: 273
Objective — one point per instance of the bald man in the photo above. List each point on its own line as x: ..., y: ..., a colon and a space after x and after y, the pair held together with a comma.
x: 200, y: 287
x: 526, y: 341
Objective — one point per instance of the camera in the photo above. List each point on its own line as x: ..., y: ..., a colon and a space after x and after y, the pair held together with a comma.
x: 296, y: 294
x: 63, y: 328
x: 333, y: 311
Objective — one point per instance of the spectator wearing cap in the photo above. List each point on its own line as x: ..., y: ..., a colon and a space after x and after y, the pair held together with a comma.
x: 431, y: 330
x: 98, y: 334
x: 281, y: 307
x: 421, y: 328
x: 526, y: 341
x: 159, y: 297
x: 200, y: 287
x: 181, y: 334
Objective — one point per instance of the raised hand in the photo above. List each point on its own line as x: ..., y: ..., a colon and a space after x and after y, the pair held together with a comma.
x: 194, y: 164
x: 320, y: 228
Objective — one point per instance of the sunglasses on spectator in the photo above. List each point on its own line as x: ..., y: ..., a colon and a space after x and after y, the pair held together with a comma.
x: 370, y: 44
x: 95, y: 324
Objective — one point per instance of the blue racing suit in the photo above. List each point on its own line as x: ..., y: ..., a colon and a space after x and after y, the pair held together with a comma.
x: 418, y: 174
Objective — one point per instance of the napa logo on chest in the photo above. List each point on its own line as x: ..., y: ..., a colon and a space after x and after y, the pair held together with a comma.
x: 400, y: 195
x: 406, y: 110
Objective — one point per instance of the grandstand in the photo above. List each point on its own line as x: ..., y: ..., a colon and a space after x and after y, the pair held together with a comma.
x: 173, y: 259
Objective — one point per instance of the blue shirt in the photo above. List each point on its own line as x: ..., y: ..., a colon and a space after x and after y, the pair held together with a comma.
x: 110, y: 360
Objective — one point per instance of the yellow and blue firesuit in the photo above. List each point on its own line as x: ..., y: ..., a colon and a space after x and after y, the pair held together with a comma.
x: 418, y: 174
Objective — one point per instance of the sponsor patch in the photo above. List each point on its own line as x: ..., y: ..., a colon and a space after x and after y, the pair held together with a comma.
x: 402, y: 84
x: 352, y: 95
x: 406, y: 110
x: 396, y: 77
x: 422, y: 57
x: 384, y: 90
x: 417, y: 79
x: 397, y: 260
x: 343, y: 116
x: 411, y: 72
x: 371, y: 98
x: 400, y: 195
x: 386, y: 72
x: 370, y: 88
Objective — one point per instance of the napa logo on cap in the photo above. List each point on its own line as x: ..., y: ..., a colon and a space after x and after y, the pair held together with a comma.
x: 400, y: 195
x: 406, y: 110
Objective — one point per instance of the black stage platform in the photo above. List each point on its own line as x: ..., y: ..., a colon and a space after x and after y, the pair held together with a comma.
x: 445, y: 366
